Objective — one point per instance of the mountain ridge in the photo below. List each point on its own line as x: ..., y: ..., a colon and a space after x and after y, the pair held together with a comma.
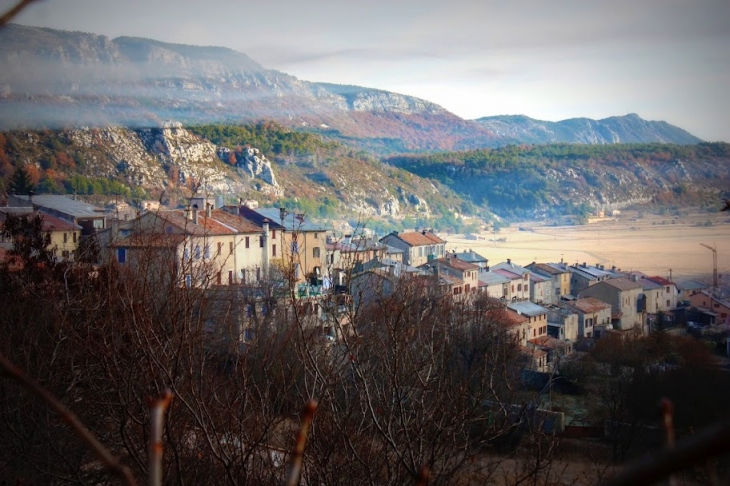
x: 58, y: 79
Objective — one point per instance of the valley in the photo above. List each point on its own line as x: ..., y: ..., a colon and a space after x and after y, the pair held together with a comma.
x: 652, y: 244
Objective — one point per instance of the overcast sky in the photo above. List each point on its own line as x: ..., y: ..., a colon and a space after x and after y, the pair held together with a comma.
x: 548, y: 59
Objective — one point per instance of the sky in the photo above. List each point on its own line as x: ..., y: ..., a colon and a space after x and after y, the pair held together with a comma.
x: 548, y: 59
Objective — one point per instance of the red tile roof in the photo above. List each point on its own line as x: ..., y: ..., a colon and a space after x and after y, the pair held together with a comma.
x: 415, y: 238
x: 588, y: 304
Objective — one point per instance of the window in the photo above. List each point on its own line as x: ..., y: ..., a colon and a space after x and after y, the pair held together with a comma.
x: 186, y: 253
x: 122, y: 255
x: 316, y: 236
x: 65, y: 254
x: 294, y: 247
x: 230, y: 277
x: 230, y: 247
x: 668, y: 304
x: 258, y: 273
x: 188, y: 281
x: 206, y: 254
x: 247, y: 242
x: 262, y: 240
x: 315, y: 251
x: 74, y: 236
x: 197, y: 252
x: 273, y: 234
x: 220, y: 249
x: 519, y: 287
x: 65, y: 238
x: 273, y: 250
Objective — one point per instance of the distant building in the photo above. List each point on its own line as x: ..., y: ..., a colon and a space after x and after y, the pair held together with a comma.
x: 89, y: 217
x: 418, y: 247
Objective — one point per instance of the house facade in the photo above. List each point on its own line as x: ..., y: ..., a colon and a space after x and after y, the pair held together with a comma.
x: 628, y: 304
x: 591, y: 313
x: 418, y: 247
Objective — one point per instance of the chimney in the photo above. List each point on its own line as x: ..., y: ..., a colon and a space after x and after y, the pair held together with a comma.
x: 195, y: 214
x: 509, y: 261
x: 208, y: 210
x: 585, y: 265
x: 423, y: 232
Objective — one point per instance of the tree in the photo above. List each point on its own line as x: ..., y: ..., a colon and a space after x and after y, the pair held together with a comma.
x: 20, y: 182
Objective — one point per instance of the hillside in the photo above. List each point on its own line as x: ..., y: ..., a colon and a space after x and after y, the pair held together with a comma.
x: 616, y: 129
x: 298, y: 170
x: 534, y: 182
x: 52, y: 79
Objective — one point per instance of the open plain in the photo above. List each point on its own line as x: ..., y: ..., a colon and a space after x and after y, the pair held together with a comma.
x: 655, y: 244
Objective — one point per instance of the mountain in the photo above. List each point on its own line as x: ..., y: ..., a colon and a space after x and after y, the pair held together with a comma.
x: 616, y: 129
x: 54, y: 79
x: 58, y: 79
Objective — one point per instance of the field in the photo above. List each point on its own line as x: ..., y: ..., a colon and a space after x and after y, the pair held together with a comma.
x: 654, y: 244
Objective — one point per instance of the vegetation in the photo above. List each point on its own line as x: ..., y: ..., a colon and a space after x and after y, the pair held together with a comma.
x: 520, y: 181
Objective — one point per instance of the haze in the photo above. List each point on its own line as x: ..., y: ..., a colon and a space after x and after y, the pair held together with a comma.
x: 663, y: 59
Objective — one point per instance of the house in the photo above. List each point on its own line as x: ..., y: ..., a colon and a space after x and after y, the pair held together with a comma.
x: 393, y: 253
x: 558, y: 274
x: 627, y: 301
x: 418, y: 247
x: 689, y: 287
x: 450, y: 266
x: 516, y: 325
x: 583, y: 276
x: 474, y: 258
x: 536, y: 318
x: 90, y: 218
x: 593, y: 315
x: 65, y: 236
x: 301, y: 244
x: 563, y: 323
x: 541, y: 289
x: 495, y: 285
x: 201, y: 248
x: 519, y: 288
x: 705, y: 299
x: 346, y: 254
x: 553, y: 348
x: 670, y: 296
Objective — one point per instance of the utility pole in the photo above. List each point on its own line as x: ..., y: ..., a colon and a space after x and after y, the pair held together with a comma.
x: 714, y: 264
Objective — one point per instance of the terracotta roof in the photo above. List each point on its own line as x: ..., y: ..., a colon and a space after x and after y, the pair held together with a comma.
x: 240, y: 223
x: 545, y: 268
x: 512, y: 318
x: 587, y: 304
x: 546, y: 342
x: 415, y: 238
x: 205, y: 226
x: 52, y: 223
x: 458, y: 264
x: 661, y: 280
x: 535, y: 353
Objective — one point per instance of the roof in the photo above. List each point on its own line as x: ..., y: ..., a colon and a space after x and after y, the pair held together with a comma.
x: 415, y: 238
x: 692, y: 285
x: 649, y: 284
x: 470, y: 256
x: 253, y: 216
x: 592, y: 271
x: 50, y: 222
x: 457, y: 264
x: 512, y: 318
x: 392, y: 249
x: 623, y: 283
x: 537, y: 278
x: 507, y: 273
x: 292, y: 221
x: 661, y: 280
x: 205, y: 227
x: 527, y: 308
x: 512, y: 267
x: 547, y: 342
x: 240, y: 223
x: 535, y: 353
x: 587, y: 304
x: 493, y: 278
x: 548, y: 268
x: 66, y: 205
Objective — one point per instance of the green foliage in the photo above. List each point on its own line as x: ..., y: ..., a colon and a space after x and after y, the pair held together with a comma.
x: 20, y: 182
x: 269, y: 137
x: 78, y: 184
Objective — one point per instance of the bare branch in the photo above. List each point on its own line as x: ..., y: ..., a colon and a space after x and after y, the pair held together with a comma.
x: 86, y: 436
x: 13, y: 12
x: 296, y: 460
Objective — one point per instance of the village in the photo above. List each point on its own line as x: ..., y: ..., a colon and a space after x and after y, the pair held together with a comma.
x: 550, y: 308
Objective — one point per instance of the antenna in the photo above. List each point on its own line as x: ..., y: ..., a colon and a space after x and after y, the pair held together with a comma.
x: 713, y: 248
